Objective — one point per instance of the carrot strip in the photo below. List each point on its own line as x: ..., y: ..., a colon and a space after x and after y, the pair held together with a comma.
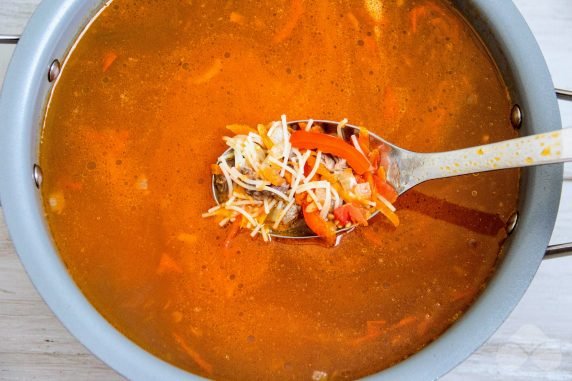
x: 373, y: 330
x: 423, y: 327
x: 300, y: 197
x: 404, y: 322
x: 195, y: 356
x: 240, y: 129
x: 391, y: 216
x: 390, y: 105
x: 168, y: 264
x: 414, y: 16
x: 74, y: 185
x: 268, y: 143
x: 237, y: 18
x: 108, y: 60
x: 321, y: 170
x: 374, y: 158
x: 317, y: 128
x: 233, y: 231
x: 296, y: 12
x: 363, y: 140
x: 384, y: 189
x: 372, y: 186
x: 372, y: 236
x: 288, y: 177
x: 333, y: 145
x: 215, y: 169
x: 273, y: 175
x: 209, y: 74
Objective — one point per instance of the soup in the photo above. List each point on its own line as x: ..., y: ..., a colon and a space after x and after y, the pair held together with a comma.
x: 136, y: 119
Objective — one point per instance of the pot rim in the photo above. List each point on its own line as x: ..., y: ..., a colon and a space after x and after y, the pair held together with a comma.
x: 50, y: 33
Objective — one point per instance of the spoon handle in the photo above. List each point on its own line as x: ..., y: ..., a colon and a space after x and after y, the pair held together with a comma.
x: 547, y: 148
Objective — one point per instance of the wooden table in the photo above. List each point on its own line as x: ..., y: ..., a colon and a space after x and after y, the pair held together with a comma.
x: 534, y: 343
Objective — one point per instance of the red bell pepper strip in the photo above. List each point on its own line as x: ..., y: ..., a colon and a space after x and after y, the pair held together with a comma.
x: 350, y: 213
x: 383, y: 188
x: 333, y: 145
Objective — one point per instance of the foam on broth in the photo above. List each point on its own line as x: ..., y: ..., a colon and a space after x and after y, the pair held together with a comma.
x: 137, y: 117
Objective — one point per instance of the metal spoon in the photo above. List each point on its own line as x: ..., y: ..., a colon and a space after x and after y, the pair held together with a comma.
x: 406, y: 169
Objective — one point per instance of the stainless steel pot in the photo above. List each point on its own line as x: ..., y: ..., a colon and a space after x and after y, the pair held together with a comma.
x: 47, y: 40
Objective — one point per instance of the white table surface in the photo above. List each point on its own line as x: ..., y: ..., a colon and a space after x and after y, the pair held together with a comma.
x: 535, y: 343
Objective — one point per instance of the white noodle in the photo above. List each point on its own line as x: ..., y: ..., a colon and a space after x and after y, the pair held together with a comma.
x: 244, y: 213
x: 356, y: 144
x: 386, y: 203
x: 309, y: 125
x: 276, y: 192
x: 340, y: 127
x: 315, y: 169
x: 327, y: 203
x: 287, y: 145
x: 227, y: 177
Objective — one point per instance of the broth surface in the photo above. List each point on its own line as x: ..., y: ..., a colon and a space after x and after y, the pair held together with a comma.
x: 136, y: 119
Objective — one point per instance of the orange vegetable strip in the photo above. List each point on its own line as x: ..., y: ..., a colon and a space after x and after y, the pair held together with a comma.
x: 215, y: 169
x: 209, y: 74
x: 372, y: 236
x: 414, y: 15
x: 237, y: 18
x: 108, y: 60
x: 73, y: 185
x: 372, y: 186
x: 288, y: 177
x: 363, y: 140
x: 374, y: 157
x: 374, y: 329
x: 317, y: 128
x: 404, y: 322
x: 321, y: 170
x: 194, y: 355
x: 322, y: 228
x: 296, y: 12
x: 241, y: 129
x: 390, y: 105
x: 233, y: 231
x: 168, y: 264
x: 381, y: 173
x: 300, y: 197
x: 272, y: 175
x: 391, y: 216
x: 332, y: 145
x: 268, y: 143
x: 384, y: 189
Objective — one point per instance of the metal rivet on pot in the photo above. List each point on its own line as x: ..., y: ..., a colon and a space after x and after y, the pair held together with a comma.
x: 54, y: 70
x: 511, y: 223
x: 38, y: 176
x: 516, y: 116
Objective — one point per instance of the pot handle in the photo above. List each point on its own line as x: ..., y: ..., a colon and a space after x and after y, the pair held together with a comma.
x: 557, y: 251
x: 564, y: 249
x: 564, y: 95
x: 11, y: 39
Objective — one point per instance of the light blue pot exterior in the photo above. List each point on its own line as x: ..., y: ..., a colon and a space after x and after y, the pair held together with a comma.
x: 51, y: 33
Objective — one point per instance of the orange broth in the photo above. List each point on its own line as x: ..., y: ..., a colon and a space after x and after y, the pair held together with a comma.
x: 136, y: 119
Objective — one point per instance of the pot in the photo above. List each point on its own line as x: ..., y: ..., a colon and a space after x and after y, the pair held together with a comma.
x: 47, y: 40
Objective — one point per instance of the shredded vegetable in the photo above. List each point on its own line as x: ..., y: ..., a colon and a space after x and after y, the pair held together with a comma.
x: 278, y: 175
